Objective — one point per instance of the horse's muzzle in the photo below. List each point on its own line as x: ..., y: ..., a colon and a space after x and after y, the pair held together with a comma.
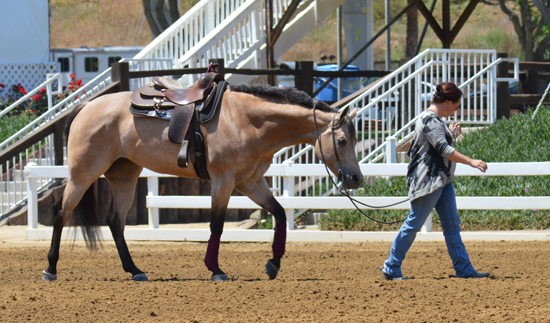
x: 351, y: 181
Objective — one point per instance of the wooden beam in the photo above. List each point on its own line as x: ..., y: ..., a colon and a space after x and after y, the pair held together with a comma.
x: 429, y: 19
x: 446, y: 8
x: 527, y: 99
x: 278, y: 30
x: 462, y: 19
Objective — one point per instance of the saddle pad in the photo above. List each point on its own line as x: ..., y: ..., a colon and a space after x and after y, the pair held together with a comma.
x: 212, y: 104
x: 165, y: 114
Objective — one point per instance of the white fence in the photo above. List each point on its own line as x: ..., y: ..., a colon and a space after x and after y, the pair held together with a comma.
x: 290, y: 202
x: 30, y: 75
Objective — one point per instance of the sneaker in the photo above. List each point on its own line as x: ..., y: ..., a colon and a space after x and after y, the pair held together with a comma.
x: 390, y: 277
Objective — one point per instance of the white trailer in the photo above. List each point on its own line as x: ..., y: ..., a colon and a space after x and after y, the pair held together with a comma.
x: 86, y: 63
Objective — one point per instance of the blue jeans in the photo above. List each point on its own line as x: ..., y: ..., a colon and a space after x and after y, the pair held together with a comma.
x: 444, y: 202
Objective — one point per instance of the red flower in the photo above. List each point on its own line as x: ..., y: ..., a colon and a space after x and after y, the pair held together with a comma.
x: 34, y: 111
x: 22, y: 90
x: 42, y: 90
x: 37, y: 97
x: 64, y: 87
x: 71, y: 83
x: 79, y: 82
x: 2, y: 85
x: 71, y: 87
x: 72, y: 76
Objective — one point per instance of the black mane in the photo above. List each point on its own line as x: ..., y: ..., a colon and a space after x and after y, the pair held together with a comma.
x: 291, y: 94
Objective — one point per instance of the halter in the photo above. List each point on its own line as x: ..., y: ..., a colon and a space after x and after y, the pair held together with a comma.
x: 341, y: 171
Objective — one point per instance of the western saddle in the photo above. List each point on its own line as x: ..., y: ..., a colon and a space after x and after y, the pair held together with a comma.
x: 186, y: 108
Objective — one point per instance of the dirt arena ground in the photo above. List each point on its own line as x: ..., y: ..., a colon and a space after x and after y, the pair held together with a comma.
x: 318, y: 282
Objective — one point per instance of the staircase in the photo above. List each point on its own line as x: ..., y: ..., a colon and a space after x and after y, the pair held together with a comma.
x: 235, y: 32
x: 230, y: 29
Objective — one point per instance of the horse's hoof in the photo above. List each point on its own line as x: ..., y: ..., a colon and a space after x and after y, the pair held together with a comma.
x: 219, y: 278
x: 140, y: 277
x: 271, y: 270
x: 49, y: 277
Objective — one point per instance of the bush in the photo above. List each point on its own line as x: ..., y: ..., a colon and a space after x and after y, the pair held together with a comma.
x: 518, y: 139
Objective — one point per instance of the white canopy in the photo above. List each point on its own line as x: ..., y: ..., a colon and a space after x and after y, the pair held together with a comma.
x: 24, y: 31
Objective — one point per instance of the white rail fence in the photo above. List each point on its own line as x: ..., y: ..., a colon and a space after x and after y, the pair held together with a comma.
x: 291, y: 202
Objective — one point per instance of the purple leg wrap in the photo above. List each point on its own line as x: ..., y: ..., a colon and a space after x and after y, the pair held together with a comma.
x: 211, y: 258
x: 279, y: 240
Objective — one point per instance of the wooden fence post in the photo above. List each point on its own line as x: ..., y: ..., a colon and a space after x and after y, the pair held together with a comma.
x: 304, y: 78
x: 220, y: 69
x: 503, y: 90
x: 58, y: 142
x: 121, y: 73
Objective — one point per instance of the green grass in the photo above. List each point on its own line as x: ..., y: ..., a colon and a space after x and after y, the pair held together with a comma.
x: 10, y: 125
x: 518, y: 139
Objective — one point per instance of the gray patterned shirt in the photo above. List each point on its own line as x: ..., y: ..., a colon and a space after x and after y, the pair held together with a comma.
x: 429, y: 167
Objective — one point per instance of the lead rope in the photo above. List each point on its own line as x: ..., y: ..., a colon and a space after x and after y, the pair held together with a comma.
x: 540, y: 102
x: 341, y: 172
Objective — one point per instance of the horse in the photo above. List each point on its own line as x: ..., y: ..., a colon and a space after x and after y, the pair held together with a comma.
x: 251, y: 124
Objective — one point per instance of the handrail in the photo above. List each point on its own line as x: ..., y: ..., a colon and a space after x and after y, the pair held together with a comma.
x: 49, y: 81
x: 216, y: 35
x: 189, y: 29
x: 79, y: 95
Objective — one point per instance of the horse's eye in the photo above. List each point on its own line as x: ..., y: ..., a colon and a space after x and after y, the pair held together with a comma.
x: 342, y: 141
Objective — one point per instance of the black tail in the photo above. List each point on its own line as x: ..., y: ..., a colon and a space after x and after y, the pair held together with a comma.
x: 85, y: 215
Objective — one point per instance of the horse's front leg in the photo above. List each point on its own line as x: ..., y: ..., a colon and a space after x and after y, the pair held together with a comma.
x: 221, y: 192
x: 260, y: 193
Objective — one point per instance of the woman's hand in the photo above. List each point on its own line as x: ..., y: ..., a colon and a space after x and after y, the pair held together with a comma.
x: 479, y: 164
x: 456, y: 130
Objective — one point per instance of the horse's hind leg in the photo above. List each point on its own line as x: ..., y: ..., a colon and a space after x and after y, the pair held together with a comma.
x: 63, y: 208
x: 123, y: 176
x: 260, y: 193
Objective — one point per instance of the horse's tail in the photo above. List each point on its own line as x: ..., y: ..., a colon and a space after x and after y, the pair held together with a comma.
x: 71, y: 116
x: 85, y: 215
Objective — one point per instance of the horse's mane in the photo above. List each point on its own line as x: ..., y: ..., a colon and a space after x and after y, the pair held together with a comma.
x: 291, y: 94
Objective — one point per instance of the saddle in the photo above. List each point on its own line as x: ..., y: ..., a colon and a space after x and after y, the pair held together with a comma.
x: 186, y: 109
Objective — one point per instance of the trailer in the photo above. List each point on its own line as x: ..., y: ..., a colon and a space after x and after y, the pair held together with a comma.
x: 86, y: 63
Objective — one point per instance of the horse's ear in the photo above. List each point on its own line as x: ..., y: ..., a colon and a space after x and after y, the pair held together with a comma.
x: 341, y: 116
x: 353, y: 113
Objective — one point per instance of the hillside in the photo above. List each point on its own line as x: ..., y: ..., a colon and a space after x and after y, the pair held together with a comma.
x: 97, y: 23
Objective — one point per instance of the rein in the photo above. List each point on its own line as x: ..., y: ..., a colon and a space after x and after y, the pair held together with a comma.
x: 341, y: 173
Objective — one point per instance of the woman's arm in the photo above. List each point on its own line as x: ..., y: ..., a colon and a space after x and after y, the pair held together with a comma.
x: 475, y: 163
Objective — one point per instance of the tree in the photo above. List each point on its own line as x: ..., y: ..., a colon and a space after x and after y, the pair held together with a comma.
x: 532, y: 30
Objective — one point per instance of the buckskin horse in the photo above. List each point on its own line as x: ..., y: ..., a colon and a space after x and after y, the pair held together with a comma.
x: 251, y: 124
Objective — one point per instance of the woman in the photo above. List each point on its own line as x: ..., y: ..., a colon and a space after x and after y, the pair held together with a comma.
x: 429, y: 182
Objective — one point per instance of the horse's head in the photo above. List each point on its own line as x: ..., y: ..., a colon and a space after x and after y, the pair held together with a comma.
x: 338, y: 142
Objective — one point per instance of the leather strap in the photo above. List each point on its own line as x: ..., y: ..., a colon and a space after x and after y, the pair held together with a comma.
x: 200, y: 155
x: 179, y: 123
x: 182, y: 155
